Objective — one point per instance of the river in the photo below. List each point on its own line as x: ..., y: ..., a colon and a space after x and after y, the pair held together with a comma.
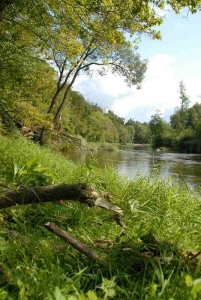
x: 185, y: 168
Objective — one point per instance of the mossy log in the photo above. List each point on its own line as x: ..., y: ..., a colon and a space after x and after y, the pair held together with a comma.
x: 82, y: 193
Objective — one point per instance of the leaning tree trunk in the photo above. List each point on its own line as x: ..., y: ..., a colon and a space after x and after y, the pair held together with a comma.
x: 42, y: 136
x: 60, y: 108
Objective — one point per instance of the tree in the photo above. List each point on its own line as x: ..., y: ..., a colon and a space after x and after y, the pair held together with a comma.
x: 194, y: 116
x: 181, y: 118
x: 115, y: 119
x: 121, y: 61
x: 97, y: 38
x: 157, y: 129
x: 76, y: 35
x: 27, y: 80
x: 131, y: 132
x: 162, y: 133
x: 96, y: 127
x: 101, y: 128
x: 111, y: 132
x: 123, y: 134
x: 185, y: 101
x: 141, y: 132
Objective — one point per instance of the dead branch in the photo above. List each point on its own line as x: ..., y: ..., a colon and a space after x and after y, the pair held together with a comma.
x: 82, y: 193
x: 74, y: 243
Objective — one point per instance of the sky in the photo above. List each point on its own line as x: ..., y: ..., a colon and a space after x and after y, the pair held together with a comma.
x: 176, y: 57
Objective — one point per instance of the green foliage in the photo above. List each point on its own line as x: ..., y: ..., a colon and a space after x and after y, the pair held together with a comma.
x: 185, y: 101
x: 107, y: 286
x: 161, y: 132
x: 107, y: 147
x: 34, y: 269
x: 141, y: 131
x: 90, y: 122
x: 43, y: 51
x: 1, y: 126
x: 19, y: 151
x: 91, y: 35
x: 182, y: 119
x: 32, y: 174
x: 183, y: 132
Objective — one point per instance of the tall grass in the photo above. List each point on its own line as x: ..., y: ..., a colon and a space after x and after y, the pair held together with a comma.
x: 31, y: 267
x: 20, y: 151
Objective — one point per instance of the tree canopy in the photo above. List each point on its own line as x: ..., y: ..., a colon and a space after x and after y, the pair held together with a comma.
x: 183, y: 131
x: 73, y: 37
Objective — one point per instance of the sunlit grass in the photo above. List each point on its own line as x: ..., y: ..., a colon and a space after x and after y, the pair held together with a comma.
x: 31, y: 267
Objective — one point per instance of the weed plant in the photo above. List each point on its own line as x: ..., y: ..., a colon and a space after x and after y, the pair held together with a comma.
x: 33, y: 267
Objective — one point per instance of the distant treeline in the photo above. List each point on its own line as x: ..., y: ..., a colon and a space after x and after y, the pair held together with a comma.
x: 26, y: 85
x: 89, y: 121
x: 183, y: 133
x: 42, y: 53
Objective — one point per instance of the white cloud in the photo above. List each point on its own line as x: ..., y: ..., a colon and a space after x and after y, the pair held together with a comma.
x: 162, y: 12
x: 159, y: 89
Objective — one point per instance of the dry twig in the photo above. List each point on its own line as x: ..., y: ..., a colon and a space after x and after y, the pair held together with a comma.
x: 74, y: 243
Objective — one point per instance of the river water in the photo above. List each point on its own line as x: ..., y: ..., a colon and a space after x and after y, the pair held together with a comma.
x: 184, y: 168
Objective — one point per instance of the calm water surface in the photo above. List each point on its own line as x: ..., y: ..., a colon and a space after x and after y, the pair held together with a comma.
x: 143, y: 160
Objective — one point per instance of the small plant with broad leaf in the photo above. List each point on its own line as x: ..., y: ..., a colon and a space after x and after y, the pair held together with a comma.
x: 32, y: 173
x: 59, y: 295
x: 109, y: 288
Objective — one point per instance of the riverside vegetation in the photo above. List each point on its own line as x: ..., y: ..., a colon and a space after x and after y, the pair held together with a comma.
x: 162, y: 226
x: 183, y: 133
x: 45, y: 45
x: 42, y: 53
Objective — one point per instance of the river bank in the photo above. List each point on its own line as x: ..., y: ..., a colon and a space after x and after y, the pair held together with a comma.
x: 31, y: 268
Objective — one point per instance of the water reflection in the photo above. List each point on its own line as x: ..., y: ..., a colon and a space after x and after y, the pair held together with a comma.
x: 145, y: 161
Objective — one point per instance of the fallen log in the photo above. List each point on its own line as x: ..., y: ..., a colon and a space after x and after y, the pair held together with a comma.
x: 82, y: 193
x: 74, y: 243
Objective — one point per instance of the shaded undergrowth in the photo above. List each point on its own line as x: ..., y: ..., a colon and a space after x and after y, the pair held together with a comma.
x: 32, y: 265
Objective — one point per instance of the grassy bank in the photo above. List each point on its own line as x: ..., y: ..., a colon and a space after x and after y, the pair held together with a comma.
x: 102, y: 146
x: 31, y: 267
x: 114, y: 146
x: 83, y: 145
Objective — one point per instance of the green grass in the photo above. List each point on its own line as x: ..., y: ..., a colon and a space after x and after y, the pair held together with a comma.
x: 31, y: 268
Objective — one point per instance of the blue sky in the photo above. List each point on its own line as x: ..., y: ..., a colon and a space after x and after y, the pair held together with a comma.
x: 180, y: 37
x: 176, y: 57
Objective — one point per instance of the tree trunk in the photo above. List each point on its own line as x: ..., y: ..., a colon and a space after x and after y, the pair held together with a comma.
x: 54, y: 100
x: 41, y: 139
x: 57, y: 115
x: 78, y: 192
x: 25, y: 195
x: 59, y: 89
x: 59, y: 110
